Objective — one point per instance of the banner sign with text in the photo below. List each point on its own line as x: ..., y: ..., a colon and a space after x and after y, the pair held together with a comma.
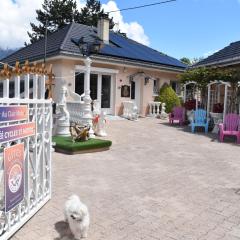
x: 13, y: 113
x: 17, y: 131
x: 14, y: 175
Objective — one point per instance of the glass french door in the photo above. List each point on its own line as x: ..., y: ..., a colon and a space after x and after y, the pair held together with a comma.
x: 106, y: 92
x: 100, y: 87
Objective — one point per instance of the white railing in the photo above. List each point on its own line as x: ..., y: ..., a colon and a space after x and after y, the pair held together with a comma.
x: 75, y: 107
x: 35, y: 147
x: 76, y: 111
x: 130, y: 110
x: 154, y: 109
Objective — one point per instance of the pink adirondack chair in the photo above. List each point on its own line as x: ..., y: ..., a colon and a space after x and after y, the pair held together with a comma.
x: 230, y: 127
x: 178, y: 114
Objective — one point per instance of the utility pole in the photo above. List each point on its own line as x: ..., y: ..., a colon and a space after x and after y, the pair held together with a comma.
x: 45, y: 44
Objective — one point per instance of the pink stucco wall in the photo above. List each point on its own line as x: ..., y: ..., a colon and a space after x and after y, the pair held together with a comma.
x: 67, y: 68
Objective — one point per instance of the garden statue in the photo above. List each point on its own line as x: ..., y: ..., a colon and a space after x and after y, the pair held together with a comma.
x: 96, y: 108
x: 190, y: 115
x: 62, y: 115
x: 163, y: 114
x: 134, y: 116
x: 99, y: 124
x: 130, y: 110
x: 79, y: 133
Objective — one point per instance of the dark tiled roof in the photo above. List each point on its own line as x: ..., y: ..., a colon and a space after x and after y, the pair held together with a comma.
x: 119, y: 47
x: 226, y: 55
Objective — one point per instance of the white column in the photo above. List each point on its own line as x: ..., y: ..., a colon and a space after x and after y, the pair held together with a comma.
x: 17, y: 86
x: 185, y: 93
x: 87, y: 98
x: 196, y: 98
x: 208, y: 101
x: 218, y: 93
x: 158, y: 108
x: 225, y: 101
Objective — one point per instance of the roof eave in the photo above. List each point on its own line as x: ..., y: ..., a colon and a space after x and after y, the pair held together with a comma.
x: 125, y: 61
x: 223, y: 63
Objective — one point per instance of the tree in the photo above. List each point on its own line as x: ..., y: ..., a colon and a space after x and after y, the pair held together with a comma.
x: 90, y: 14
x: 186, y: 60
x: 56, y: 14
x: 189, y: 61
x: 167, y: 95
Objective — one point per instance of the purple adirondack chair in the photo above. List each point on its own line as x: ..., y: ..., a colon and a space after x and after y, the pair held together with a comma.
x: 178, y: 114
x: 230, y: 127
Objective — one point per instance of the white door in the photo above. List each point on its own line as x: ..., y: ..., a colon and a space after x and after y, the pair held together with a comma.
x: 101, y: 89
x: 136, y: 92
x: 106, y: 97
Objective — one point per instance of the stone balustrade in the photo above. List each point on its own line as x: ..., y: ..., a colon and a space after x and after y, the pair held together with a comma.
x: 154, y: 109
x: 130, y: 110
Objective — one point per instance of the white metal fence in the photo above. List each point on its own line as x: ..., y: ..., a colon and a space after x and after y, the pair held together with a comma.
x: 36, y: 176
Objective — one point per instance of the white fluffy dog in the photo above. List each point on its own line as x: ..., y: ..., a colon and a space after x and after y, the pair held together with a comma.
x: 76, y: 214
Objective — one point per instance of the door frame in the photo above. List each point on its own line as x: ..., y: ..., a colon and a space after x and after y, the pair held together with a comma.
x: 138, y: 93
x: 100, y: 72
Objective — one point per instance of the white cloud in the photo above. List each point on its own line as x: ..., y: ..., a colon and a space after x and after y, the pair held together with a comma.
x: 15, y: 21
x: 16, y: 16
x: 207, y: 54
x: 133, y: 30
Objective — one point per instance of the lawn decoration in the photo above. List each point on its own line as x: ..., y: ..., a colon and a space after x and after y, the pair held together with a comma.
x: 63, y: 116
x: 163, y: 114
x: 96, y: 108
x: 99, y: 124
x: 79, y: 133
x: 130, y: 110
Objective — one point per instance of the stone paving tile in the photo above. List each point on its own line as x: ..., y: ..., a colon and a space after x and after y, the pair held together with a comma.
x: 156, y: 182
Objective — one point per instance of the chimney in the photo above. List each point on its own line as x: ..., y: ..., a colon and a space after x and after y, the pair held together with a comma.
x: 103, y: 28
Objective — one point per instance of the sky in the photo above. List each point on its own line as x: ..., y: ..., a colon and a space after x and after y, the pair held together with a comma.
x: 185, y: 28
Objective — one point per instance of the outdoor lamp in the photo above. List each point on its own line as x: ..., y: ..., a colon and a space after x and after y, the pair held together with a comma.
x: 87, y: 48
x: 146, y: 80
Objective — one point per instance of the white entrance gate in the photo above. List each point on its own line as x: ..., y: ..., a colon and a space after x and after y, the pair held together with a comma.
x: 26, y: 87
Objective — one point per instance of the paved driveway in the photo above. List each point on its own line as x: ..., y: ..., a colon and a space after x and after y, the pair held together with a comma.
x: 157, y: 182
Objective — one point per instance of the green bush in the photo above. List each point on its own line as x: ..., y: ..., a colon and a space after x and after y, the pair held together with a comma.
x: 167, y: 95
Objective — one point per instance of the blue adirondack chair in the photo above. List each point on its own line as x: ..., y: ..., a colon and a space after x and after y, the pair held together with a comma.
x: 200, y: 120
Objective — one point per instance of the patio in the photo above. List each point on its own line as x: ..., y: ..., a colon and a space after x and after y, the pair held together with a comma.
x: 156, y: 182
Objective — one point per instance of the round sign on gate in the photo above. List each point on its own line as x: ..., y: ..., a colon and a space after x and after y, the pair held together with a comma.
x: 15, y: 178
x: 14, y: 175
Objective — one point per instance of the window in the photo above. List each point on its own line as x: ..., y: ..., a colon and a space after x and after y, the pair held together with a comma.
x: 176, y: 86
x: 133, y: 90
x: 79, y: 83
x: 155, y: 86
x: 93, y: 86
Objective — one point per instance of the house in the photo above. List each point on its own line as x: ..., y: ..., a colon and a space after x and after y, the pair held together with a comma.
x: 226, y: 57
x: 122, y: 70
x: 224, y: 94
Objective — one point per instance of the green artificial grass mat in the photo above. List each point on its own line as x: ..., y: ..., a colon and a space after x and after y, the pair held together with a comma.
x: 66, y: 144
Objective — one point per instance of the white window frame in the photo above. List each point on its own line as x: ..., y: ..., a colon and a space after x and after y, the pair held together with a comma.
x: 102, y: 71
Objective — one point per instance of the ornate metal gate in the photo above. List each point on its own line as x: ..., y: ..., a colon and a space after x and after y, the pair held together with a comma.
x: 24, y: 88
